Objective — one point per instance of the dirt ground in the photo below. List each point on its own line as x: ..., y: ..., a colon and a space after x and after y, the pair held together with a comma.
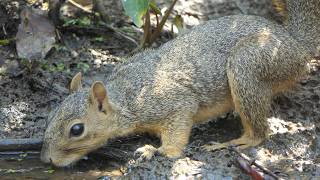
x: 292, y: 151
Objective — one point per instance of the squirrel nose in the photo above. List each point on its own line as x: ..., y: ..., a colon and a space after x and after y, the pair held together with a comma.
x: 45, y: 157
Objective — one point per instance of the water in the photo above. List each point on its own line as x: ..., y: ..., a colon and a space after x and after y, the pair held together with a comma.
x: 27, y: 165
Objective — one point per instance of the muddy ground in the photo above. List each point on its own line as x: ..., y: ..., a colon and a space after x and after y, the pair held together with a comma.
x: 292, y: 151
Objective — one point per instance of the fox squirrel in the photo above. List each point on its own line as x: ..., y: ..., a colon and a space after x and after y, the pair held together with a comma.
x: 232, y: 63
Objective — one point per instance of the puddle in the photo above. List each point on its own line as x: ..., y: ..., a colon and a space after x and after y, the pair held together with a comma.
x: 27, y: 165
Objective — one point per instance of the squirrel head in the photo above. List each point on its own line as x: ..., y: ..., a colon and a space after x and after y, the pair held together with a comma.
x: 78, y: 125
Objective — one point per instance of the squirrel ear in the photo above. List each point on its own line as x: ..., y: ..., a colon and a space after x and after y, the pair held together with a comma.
x: 75, y: 84
x: 99, y: 95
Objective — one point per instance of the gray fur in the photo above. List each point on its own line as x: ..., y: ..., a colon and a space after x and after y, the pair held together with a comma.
x: 235, y: 62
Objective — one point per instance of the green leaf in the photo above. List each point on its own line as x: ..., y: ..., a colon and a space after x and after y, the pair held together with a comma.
x: 4, y: 41
x: 99, y: 39
x: 83, y: 21
x: 83, y: 66
x: 52, y: 69
x: 136, y: 9
x: 69, y: 22
x: 50, y: 171
x: 60, y: 66
x: 154, y: 7
x: 178, y: 21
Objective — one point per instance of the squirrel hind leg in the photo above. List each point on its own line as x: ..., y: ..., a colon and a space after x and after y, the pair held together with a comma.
x: 255, y: 129
x: 252, y: 99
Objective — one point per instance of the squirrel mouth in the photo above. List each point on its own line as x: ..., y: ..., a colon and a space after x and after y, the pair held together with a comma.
x: 65, y: 161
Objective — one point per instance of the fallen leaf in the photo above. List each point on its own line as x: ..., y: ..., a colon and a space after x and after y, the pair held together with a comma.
x: 36, y: 35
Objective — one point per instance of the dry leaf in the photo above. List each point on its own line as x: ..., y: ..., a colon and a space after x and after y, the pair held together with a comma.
x: 36, y: 35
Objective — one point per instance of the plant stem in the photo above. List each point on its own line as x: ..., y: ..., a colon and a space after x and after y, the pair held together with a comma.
x: 162, y: 22
x: 146, y: 31
x: 99, y: 7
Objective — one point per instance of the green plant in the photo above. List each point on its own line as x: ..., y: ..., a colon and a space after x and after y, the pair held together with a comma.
x: 54, y: 67
x: 83, y: 21
x: 83, y: 66
x: 4, y: 42
x: 50, y: 170
x: 27, y: 64
x: 140, y: 11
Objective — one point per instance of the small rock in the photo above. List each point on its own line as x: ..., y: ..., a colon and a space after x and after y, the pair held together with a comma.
x: 74, y: 54
x: 303, y: 82
x: 97, y: 62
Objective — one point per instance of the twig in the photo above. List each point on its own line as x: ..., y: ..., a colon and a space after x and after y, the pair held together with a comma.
x: 162, y: 22
x: 79, y: 6
x: 100, y: 8
x: 4, y: 30
x: 253, y: 162
x: 107, y: 29
x: 87, y: 29
x: 20, y: 144
x: 8, y: 153
x: 123, y: 35
x: 248, y: 169
x: 146, y: 30
x: 157, y: 18
x: 10, y: 171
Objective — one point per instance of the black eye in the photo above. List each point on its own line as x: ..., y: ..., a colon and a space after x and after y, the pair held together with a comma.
x: 77, y: 129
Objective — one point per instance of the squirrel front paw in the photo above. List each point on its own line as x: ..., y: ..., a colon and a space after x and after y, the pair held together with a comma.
x: 145, y: 153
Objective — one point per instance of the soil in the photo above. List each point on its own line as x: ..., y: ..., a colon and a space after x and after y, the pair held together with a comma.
x: 292, y: 151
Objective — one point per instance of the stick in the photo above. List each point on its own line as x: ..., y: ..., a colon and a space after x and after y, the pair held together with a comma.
x: 20, y: 144
x: 247, y: 168
x: 162, y: 22
x: 15, y: 147
x: 4, y: 30
x: 17, y: 153
x: 99, y: 7
x: 79, y: 6
x: 254, y: 162
x: 95, y: 30
x: 146, y: 30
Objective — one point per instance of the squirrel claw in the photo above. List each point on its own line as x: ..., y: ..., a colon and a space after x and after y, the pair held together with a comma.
x: 145, y: 153
x: 214, y: 147
x: 241, y: 143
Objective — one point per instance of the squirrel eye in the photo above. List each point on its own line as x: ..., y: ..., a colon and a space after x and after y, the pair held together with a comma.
x: 77, y: 129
